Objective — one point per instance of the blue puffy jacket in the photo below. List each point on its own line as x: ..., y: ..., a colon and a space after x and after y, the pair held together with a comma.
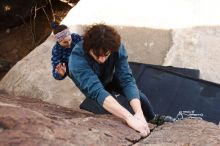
x: 61, y: 55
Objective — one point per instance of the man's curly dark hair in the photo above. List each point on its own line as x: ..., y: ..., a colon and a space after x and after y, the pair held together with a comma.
x: 101, y: 38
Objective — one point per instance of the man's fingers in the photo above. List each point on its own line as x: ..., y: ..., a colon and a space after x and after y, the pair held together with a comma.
x: 144, y: 133
x: 148, y: 130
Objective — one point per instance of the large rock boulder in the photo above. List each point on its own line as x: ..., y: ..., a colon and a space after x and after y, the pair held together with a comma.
x: 191, y: 46
x: 31, y: 122
x: 32, y: 76
x: 142, y: 38
x: 185, y: 132
x: 197, y: 48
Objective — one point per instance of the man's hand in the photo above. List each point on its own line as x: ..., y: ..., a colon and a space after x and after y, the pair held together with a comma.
x: 136, y: 106
x: 140, y: 116
x: 138, y: 125
x: 61, y: 69
x: 111, y: 105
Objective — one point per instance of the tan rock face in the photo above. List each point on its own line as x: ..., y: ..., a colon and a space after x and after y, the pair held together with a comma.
x: 197, y: 48
x: 32, y: 76
x: 146, y: 45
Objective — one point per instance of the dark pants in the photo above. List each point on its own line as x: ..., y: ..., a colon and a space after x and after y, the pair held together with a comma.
x: 92, y: 106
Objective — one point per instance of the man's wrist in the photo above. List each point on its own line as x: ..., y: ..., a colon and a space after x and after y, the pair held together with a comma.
x: 128, y: 117
x: 136, y: 106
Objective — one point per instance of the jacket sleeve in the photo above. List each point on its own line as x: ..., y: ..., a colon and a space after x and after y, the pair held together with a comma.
x: 124, y: 75
x: 55, y: 59
x: 85, y: 79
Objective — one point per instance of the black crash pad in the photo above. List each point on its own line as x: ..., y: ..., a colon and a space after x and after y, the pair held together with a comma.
x: 176, y: 89
x: 171, y: 90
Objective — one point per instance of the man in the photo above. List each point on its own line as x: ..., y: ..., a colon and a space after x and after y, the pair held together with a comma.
x: 98, y: 65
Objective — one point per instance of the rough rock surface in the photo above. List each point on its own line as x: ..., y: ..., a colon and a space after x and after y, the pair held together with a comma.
x: 32, y: 77
x: 185, y: 133
x: 32, y: 122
